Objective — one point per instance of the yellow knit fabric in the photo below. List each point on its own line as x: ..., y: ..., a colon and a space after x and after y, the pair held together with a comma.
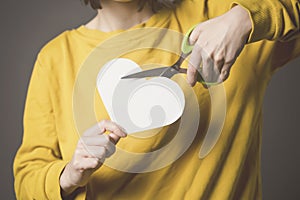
x: 230, y: 171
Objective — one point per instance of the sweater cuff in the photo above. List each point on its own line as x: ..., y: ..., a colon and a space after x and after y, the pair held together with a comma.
x: 53, y: 190
x: 52, y: 186
x: 260, y: 15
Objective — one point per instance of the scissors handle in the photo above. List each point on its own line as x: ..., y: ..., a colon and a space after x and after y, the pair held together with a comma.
x: 199, y: 78
x: 186, y: 48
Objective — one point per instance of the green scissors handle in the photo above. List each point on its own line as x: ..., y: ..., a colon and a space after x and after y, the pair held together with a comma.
x: 186, y: 48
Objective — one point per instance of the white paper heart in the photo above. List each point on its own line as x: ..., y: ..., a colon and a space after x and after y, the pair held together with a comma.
x: 138, y: 104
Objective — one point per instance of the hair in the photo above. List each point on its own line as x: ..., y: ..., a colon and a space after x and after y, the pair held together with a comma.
x: 156, y: 5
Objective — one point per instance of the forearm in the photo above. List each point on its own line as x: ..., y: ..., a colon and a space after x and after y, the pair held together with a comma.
x: 272, y: 19
x: 34, y: 180
x: 38, y: 162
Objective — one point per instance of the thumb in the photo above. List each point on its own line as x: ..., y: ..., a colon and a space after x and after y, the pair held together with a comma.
x: 96, y: 129
x: 113, y: 138
x: 194, y: 35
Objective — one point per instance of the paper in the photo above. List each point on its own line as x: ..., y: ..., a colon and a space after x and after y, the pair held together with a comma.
x: 138, y: 104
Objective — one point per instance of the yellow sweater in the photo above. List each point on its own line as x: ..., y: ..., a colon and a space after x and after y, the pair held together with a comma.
x: 57, y: 108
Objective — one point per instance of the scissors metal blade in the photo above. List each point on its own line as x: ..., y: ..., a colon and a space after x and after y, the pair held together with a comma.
x: 147, y: 73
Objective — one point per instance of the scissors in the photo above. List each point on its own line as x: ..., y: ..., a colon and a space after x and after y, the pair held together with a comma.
x: 170, y: 71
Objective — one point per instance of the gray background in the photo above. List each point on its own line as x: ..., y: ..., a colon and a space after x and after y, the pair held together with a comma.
x: 27, y: 25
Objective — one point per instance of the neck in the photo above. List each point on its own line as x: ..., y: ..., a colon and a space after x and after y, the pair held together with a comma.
x: 119, y: 16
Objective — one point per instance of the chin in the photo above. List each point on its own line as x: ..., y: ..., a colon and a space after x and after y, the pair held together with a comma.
x: 122, y: 0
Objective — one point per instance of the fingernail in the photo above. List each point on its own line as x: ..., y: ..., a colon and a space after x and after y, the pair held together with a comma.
x: 224, y: 75
x: 124, y: 132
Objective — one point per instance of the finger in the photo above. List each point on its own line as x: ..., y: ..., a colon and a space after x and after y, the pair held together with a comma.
x: 194, y: 65
x: 95, y: 152
x: 207, y: 67
x: 95, y: 140
x: 110, y: 152
x: 192, y: 75
x: 86, y: 152
x: 89, y: 163
x: 217, y: 68
x: 219, y: 60
x: 225, y: 73
x: 113, y: 127
x: 99, y: 152
x: 114, y: 138
x: 110, y: 146
x: 94, y: 130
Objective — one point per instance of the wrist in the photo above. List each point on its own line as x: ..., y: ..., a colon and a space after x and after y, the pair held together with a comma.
x: 65, y: 183
x: 242, y: 18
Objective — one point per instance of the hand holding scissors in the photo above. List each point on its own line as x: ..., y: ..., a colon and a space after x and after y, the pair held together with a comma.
x: 214, y: 46
x: 170, y: 71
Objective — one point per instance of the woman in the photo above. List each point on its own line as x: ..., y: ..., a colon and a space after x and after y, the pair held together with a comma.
x: 53, y: 163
